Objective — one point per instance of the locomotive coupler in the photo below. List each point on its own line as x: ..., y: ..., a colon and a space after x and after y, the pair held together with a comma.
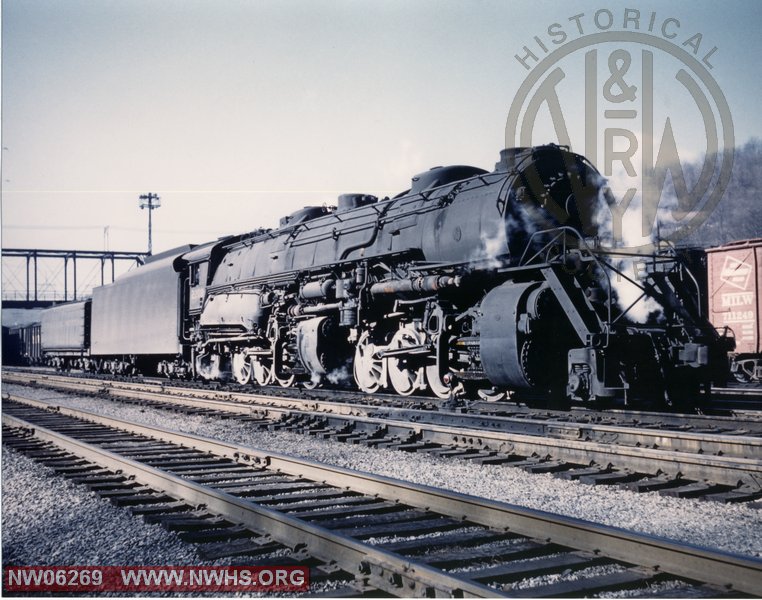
x: 587, y: 376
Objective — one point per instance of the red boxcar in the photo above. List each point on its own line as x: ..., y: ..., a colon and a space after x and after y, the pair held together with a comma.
x: 735, y: 302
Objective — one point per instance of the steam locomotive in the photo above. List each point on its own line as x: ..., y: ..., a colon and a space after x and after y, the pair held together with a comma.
x: 469, y: 281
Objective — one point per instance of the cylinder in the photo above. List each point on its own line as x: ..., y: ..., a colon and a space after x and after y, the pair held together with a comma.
x: 419, y: 285
x: 348, y: 313
x: 318, y: 289
x: 298, y: 310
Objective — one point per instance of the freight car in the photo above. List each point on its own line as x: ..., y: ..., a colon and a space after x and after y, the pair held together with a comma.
x: 735, y: 303
x: 21, y: 345
x: 65, y: 332
x: 471, y: 279
x: 11, y: 347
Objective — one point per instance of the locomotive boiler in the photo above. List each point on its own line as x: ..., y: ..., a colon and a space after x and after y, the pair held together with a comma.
x: 470, y: 280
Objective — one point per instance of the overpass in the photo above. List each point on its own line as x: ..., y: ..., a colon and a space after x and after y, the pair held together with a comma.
x: 35, y: 278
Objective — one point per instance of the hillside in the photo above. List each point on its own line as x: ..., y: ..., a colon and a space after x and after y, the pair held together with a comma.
x: 739, y: 214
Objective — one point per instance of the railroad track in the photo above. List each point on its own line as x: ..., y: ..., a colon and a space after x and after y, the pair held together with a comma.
x: 739, y: 390
x: 720, y: 467
x: 738, y: 400
x: 734, y: 403
x: 746, y: 422
x: 379, y: 533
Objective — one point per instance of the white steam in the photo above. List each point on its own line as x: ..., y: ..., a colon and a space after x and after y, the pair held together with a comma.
x: 339, y: 376
x: 507, y: 235
x: 622, y: 220
x: 336, y: 376
x: 619, y: 218
x: 629, y: 295
x: 492, y: 246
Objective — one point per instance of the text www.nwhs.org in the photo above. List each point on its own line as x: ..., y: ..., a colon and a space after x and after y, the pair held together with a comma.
x: 156, y: 579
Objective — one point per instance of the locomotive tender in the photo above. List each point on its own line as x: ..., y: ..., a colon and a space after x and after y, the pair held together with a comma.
x: 468, y: 280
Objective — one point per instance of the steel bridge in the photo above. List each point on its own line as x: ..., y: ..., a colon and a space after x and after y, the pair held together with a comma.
x: 24, y: 288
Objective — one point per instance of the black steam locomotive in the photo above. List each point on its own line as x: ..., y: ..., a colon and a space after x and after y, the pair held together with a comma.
x: 470, y: 280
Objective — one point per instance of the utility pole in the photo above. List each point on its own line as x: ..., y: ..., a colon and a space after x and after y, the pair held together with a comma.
x: 149, y: 201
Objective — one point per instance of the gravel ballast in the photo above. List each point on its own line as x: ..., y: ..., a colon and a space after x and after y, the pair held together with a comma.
x: 48, y: 520
x: 731, y: 528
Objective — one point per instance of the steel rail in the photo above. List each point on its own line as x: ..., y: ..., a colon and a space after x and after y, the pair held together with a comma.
x: 417, y: 579
x: 738, y: 391
x: 707, y: 457
x: 682, y: 560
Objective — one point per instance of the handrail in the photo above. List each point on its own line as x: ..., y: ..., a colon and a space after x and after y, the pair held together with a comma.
x: 559, y: 233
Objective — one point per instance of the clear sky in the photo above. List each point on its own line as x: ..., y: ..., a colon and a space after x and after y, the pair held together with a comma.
x: 241, y: 111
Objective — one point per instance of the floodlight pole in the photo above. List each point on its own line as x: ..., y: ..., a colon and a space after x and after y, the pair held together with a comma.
x: 149, y: 201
